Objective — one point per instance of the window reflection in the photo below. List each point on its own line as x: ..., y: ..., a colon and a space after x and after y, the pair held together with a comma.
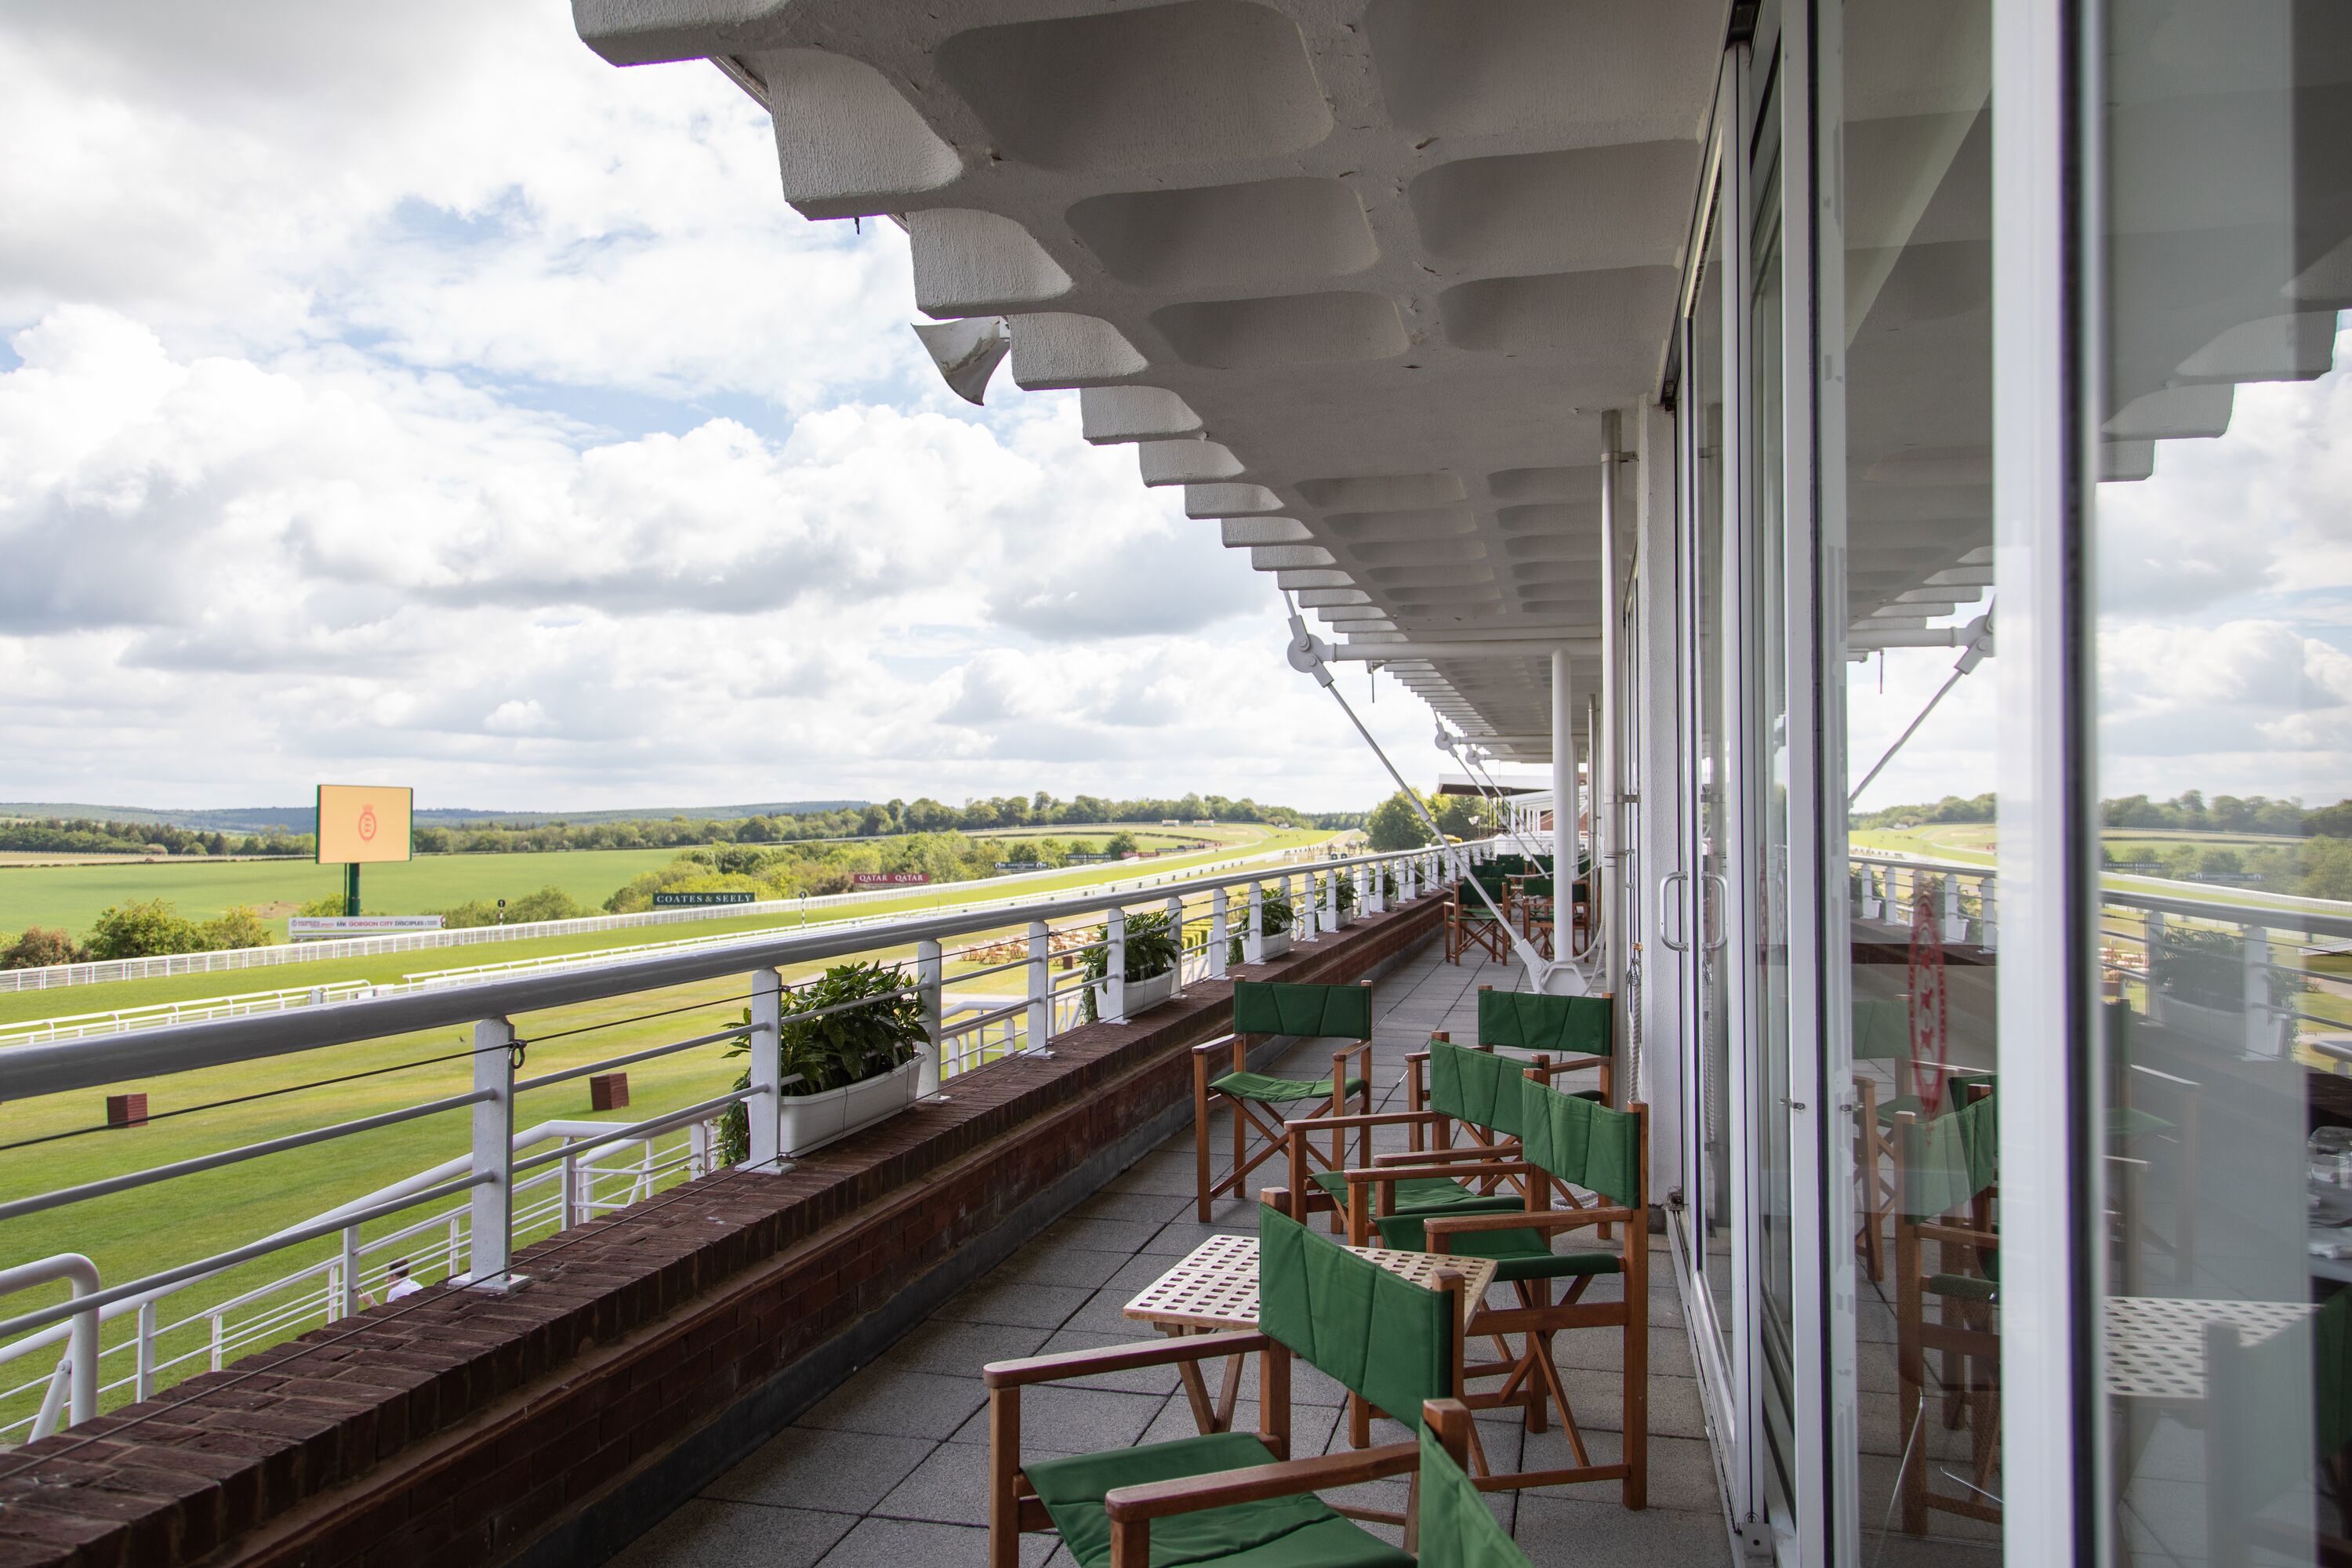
x: 1913, y: 422
x: 2222, y: 546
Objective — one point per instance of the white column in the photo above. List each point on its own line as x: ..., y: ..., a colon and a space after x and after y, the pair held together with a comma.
x: 491, y: 1238
x: 1563, y: 801
x: 1220, y: 936
x: 930, y: 976
x: 1041, y: 980
x: 1115, y: 967
x: 765, y: 1108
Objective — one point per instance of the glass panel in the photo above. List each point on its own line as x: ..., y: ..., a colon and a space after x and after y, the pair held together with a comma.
x: 1907, y: 475
x: 1713, y: 1180
x: 2221, y: 550
x: 1766, y: 789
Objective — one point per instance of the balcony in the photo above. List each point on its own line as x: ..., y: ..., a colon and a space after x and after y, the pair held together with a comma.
x: 712, y: 1351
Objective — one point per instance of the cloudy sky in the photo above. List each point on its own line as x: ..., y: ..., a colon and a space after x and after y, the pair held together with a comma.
x: 400, y: 394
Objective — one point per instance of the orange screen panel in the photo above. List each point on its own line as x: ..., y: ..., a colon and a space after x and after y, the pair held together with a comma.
x: 360, y: 824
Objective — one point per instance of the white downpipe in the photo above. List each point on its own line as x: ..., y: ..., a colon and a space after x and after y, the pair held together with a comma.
x: 1563, y: 806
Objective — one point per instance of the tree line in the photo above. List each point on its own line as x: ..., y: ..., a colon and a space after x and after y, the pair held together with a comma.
x: 2188, y: 811
x: 87, y: 836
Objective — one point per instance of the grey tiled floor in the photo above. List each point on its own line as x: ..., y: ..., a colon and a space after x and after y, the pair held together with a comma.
x: 890, y: 1468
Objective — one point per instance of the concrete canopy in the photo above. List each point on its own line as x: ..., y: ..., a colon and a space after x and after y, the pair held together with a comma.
x: 1362, y: 275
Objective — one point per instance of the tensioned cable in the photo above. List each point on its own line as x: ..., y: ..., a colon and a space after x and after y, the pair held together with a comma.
x: 1974, y: 655
x: 633, y: 1018
x: 1527, y: 957
x: 1592, y: 940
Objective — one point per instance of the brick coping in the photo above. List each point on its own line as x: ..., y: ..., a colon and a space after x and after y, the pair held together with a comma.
x: 462, y: 1429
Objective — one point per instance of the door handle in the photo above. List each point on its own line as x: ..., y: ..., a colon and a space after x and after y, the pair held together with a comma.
x: 1666, y: 909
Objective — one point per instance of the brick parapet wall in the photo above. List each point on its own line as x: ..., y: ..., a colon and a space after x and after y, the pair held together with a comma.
x: 458, y: 1428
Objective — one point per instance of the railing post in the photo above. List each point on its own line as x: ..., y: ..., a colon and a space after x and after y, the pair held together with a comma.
x: 143, y: 1380
x: 568, y: 1215
x: 1331, y: 896
x: 1114, y: 966
x: 1219, y: 935
x: 763, y: 1114
x: 1041, y: 1005
x: 1370, y: 888
x: 931, y: 977
x: 346, y: 1291
x: 1985, y: 936
x: 2262, y: 1033
x: 1955, y: 929
x: 491, y: 1227
x: 1254, y: 940
x: 1176, y: 931
x: 1305, y: 915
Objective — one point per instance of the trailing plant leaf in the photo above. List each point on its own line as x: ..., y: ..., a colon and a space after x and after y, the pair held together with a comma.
x: 1152, y: 948
x: 830, y: 1049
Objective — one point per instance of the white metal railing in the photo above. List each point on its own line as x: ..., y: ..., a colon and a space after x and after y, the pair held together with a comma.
x: 83, y: 1026
x: 497, y: 1195
x: 2228, y: 970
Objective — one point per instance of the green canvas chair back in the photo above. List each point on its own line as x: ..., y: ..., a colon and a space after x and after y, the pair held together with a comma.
x: 1882, y: 1029
x: 1477, y: 1086
x: 1951, y: 1159
x: 1374, y: 1332
x: 1310, y: 1012
x: 1537, y: 887
x: 1458, y: 1529
x: 1583, y: 1145
x: 1517, y: 1021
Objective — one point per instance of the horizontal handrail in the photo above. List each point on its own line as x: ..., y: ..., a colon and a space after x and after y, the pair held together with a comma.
x: 29, y: 1071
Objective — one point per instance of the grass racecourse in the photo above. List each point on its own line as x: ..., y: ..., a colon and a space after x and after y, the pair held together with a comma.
x: 47, y: 1143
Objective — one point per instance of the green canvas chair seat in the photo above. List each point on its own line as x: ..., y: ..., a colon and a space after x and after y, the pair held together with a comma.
x: 1300, y: 1531
x: 1516, y: 1254
x: 1272, y: 1090
x: 1424, y: 1196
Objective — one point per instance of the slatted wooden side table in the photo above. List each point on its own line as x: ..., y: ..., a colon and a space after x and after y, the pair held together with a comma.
x: 1215, y: 1288
x: 2155, y: 1344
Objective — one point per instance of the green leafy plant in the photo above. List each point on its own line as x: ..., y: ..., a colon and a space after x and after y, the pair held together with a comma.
x: 1273, y: 910
x: 1347, y: 894
x: 830, y: 1042
x: 1389, y: 886
x: 1152, y: 946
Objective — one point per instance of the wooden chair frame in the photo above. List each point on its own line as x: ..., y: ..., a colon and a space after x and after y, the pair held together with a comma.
x: 1465, y: 929
x: 1014, y: 1509
x: 1964, y: 1335
x: 1246, y: 1114
x: 1532, y: 1375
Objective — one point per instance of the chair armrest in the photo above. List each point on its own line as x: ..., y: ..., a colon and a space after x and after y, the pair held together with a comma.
x: 1535, y: 1219
x: 1553, y: 1069
x: 1407, y: 1173
x: 1503, y: 1151
x: 1223, y: 1042
x: 1256, y: 1483
x: 1119, y: 1358
x: 1372, y: 1119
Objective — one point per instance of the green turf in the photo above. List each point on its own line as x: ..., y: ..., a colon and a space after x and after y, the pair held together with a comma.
x: 72, y: 896
x: 134, y: 1233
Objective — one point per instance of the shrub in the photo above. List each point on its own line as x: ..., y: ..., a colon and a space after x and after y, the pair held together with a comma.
x: 1121, y: 844
x: 39, y: 947
x: 832, y: 1049
x: 236, y: 926
x: 550, y: 903
x: 144, y: 929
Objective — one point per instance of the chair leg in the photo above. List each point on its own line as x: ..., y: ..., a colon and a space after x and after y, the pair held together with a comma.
x: 1004, y: 1477
x: 1200, y: 1134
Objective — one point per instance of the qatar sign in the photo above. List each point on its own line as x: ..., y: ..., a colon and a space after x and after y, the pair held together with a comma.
x: 890, y: 879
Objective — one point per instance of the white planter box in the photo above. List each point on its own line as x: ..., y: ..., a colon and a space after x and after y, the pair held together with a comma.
x: 811, y: 1121
x: 1274, y: 946
x: 1143, y: 995
x: 2213, y: 1026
